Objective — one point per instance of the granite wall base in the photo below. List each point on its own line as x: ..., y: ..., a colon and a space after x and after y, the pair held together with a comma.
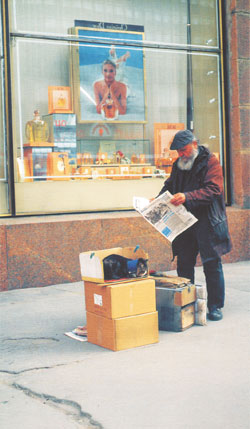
x: 45, y: 250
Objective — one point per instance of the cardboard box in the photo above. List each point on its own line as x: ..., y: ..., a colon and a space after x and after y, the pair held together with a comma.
x: 175, y: 307
x: 123, y: 333
x: 120, y: 299
x: 91, y: 263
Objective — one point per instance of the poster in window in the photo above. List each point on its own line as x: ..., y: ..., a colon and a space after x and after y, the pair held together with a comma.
x: 108, y: 78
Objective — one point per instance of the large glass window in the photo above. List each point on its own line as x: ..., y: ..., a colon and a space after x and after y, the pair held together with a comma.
x: 96, y: 103
x: 164, y: 20
x: 4, y: 187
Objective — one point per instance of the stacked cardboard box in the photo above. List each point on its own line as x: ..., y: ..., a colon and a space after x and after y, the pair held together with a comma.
x: 120, y: 314
x: 175, y: 303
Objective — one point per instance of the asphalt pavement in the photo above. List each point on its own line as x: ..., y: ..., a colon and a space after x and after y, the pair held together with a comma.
x: 198, y: 378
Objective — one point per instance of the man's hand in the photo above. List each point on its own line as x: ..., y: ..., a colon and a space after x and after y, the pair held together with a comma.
x: 178, y: 199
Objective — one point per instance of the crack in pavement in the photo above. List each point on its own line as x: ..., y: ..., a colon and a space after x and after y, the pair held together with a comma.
x: 69, y: 407
x: 6, y: 371
x: 30, y: 338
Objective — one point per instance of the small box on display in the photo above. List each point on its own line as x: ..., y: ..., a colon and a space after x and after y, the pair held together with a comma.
x: 135, y: 172
x: 62, y: 132
x: 148, y: 171
x: 91, y: 263
x: 85, y: 172
x: 98, y: 173
x: 127, y: 298
x: 58, y: 166
x: 112, y: 172
x: 123, y: 172
x: 36, y: 159
x: 24, y: 170
x: 123, y: 333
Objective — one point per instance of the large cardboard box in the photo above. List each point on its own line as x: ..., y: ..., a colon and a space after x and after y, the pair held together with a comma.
x: 120, y: 299
x: 123, y: 333
x: 175, y: 307
x: 91, y: 263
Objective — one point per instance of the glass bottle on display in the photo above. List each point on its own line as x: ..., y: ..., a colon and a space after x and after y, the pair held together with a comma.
x: 37, y: 130
x: 109, y: 109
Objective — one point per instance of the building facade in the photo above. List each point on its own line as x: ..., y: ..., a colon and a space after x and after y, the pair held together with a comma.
x: 92, y: 95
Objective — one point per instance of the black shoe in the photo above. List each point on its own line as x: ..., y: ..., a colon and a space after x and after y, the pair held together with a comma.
x: 215, y: 313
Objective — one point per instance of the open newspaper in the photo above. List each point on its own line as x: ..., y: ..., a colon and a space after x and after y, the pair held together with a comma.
x: 168, y: 219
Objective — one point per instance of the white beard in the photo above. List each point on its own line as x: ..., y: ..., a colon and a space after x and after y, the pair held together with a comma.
x: 187, y: 163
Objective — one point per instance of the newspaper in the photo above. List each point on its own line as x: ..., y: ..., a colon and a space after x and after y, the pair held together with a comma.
x: 168, y: 219
x: 75, y: 336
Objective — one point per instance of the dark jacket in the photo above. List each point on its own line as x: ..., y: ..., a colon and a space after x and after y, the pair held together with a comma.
x: 203, y: 188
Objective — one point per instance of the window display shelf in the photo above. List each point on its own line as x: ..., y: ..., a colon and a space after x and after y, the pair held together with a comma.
x: 136, y: 150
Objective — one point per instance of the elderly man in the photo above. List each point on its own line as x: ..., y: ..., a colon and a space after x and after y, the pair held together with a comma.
x: 197, y: 182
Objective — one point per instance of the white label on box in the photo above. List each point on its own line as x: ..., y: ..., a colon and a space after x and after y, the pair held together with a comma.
x: 98, y: 299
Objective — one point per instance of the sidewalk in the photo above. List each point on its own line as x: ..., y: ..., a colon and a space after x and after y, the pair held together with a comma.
x: 194, y: 379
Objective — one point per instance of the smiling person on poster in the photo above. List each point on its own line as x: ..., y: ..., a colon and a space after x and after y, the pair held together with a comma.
x: 110, y: 93
x: 196, y: 181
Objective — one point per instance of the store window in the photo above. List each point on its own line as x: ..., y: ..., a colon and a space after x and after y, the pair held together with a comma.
x: 98, y: 92
x: 4, y: 187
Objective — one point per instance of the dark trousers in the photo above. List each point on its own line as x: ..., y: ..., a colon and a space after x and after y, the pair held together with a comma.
x: 213, y: 271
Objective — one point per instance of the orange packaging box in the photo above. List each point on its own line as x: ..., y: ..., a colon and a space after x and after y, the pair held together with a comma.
x: 135, y: 172
x: 91, y: 263
x: 123, y: 172
x: 85, y: 172
x: 98, y: 173
x: 148, y: 171
x: 112, y: 172
x: 120, y: 299
x: 123, y: 333
x: 58, y: 166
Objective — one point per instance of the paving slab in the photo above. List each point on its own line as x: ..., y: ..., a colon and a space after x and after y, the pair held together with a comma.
x: 191, y: 379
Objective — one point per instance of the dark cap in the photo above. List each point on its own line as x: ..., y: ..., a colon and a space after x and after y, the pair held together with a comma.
x: 182, y: 138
